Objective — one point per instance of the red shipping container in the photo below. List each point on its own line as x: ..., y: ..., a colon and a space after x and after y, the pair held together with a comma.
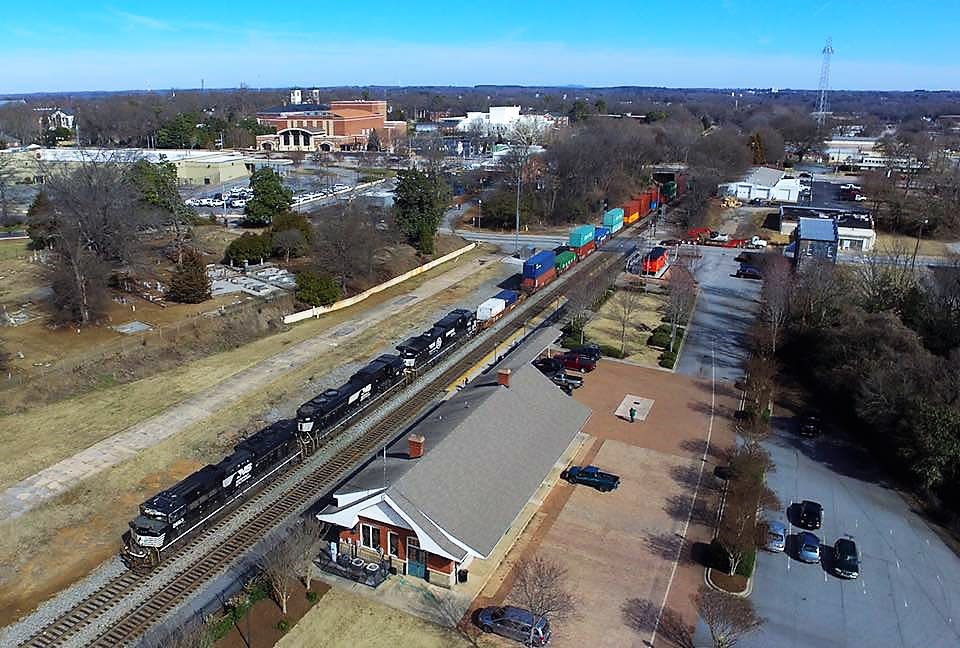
x: 681, y: 184
x: 585, y: 250
x: 532, y: 284
x: 644, y: 203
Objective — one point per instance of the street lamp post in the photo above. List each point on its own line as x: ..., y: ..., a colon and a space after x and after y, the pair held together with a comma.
x: 516, y: 236
x: 916, y: 249
x: 479, y: 211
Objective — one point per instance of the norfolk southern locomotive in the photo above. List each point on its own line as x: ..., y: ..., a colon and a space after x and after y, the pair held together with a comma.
x: 169, y: 516
x: 421, y: 350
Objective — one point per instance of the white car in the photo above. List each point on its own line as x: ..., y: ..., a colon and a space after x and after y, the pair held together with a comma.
x: 860, y: 198
x: 757, y: 243
x: 721, y: 237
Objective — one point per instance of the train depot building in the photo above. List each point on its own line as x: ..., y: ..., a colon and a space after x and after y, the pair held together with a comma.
x: 446, y: 493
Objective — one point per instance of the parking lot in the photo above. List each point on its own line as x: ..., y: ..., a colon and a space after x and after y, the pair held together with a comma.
x: 908, y: 593
x: 621, y: 548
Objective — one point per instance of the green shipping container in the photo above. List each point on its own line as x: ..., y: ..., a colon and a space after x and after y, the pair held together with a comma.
x: 669, y: 190
x: 580, y: 236
x: 564, y: 260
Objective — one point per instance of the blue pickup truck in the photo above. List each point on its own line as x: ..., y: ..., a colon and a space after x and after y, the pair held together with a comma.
x: 591, y: 476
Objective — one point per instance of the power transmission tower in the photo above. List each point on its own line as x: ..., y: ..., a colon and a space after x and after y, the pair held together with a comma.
x: 823, y: 105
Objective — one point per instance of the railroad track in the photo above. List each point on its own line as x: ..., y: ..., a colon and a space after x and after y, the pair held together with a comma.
x: 297, y: 498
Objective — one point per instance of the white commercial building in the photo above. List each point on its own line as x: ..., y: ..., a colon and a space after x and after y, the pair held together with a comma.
x: 765, y: 183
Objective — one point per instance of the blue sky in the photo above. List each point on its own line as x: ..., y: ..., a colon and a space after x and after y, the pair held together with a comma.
x: 90, y: 45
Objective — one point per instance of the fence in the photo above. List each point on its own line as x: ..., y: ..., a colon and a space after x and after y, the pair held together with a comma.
x: 350, y: 301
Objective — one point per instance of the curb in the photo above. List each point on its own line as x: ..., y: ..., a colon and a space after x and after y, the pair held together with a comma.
x: 742, y: 594
x: 687, y: 329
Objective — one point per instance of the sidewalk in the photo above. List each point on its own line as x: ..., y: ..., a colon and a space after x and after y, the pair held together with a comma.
x: 64, y: 475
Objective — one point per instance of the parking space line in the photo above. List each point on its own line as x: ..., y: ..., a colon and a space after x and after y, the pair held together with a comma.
x: 696, y: 490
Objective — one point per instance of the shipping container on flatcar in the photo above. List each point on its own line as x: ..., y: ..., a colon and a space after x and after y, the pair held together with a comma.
x: 580, y: 236
x: 613, y: 219
x: 600, y: 235
x: 585, y: 250
x: 564, y: 261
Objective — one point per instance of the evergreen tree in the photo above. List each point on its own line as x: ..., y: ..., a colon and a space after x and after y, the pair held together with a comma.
x: 373, y: 142
x: 293, y: 221
x: 317, y: 290
x: 421, y: 199
x: 250, y: 248
x: 190, y: 283
x: 41, y: 222
x: 270, y: 199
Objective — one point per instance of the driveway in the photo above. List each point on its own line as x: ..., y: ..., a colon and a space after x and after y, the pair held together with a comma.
x: 909, y: 591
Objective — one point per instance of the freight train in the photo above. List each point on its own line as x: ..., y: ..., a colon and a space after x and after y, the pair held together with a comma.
x: 170, y: 516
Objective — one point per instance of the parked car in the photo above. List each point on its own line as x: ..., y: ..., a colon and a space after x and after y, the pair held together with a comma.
x: 749, y: 272
x: 514, y: 623
x: 592, y: 351
x: 811, y: 515
x: 846, y: 558
x: 578, y: 362
x: 591, y: 476
x: 759, y: 202
x: 776, y: 536
x: 808, y: 547
x: 548, y: 366
x: 670, y: 243
x: 810, y: 426
x: 721, y: 237
x: 564, y: 379
x: 757, y: 243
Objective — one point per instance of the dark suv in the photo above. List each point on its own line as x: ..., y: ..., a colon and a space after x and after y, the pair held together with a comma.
x: 810, y: 515
x: 514, y: 623
x: 846, y: 558
x: 592, y: 351
x: 548, y: 366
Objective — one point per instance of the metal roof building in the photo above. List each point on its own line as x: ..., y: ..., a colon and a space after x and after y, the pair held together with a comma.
x: 447, y: 492
x: 766, y: 183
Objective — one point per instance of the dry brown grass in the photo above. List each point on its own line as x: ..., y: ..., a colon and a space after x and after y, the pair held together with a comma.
x: 78, y: 423
x: 83, y: 527
x: 604, y: 328
x: 345, y: 619
x: 928, y: 247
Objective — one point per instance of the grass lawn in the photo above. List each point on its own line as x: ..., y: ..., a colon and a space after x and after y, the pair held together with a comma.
x: 342, y: 618
x: 604, y: 328
x: 888, y: 242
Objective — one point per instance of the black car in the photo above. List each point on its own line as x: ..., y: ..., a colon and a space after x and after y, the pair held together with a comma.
x: 749, y: 272
x: 811, y: 515
x: 591, y: 476
x: 548, y: 366
x: 810, y: 426
x: 846, y: 558
x: 592, y: 351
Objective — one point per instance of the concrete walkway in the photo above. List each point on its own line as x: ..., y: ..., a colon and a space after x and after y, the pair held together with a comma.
x: 66, y: 474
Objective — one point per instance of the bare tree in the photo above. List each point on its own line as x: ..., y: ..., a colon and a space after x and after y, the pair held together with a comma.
x: 682, y: 289
x: 775, y: 308
x: 97, y: 220
x: 729, y: 618
x: 747, y: 493
x: 541, y: 588
x: 626, y: 303
x: 280, y: 566
x: 290, y: 242
x: 306, y: 537
x: 646, y: 617
x: 885, y: 279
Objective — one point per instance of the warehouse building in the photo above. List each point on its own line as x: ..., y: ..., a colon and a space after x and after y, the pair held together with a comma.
x: 447, y: 492
x: 765, y: 183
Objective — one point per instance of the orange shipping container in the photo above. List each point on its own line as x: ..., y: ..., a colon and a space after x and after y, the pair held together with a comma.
x: 645, y: 203
x: 631, y: 211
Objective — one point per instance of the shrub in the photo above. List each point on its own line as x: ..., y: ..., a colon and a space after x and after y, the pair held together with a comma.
x: 667, y: 359
x: 283, y: 625
x: 747, y: 564
x: 250, y: 248
x: 313, y: 597
x: 659, y: 339
x: 611, y: 351
x: 717, y: 556
x: 317, y: 290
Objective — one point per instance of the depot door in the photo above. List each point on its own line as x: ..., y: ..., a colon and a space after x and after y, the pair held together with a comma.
x: 416, y: 559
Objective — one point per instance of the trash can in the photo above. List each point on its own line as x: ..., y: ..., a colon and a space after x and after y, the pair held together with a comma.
x: 461, y: 575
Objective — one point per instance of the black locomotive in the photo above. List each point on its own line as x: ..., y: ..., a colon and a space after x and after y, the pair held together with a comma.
x: 421, y: 350
x: 170, y: 515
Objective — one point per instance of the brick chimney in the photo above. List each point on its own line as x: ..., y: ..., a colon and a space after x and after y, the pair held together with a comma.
x: 503, y: 377
x: 415, y: 445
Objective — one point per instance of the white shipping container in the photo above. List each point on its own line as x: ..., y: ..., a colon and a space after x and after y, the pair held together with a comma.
x: 490, y: 309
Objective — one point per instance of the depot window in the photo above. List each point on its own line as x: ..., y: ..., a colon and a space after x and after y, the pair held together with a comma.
x: 370, y: 536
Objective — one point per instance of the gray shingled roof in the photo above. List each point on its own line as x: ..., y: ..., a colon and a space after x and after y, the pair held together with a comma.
x: 487, y: 449
x: 503, y: 443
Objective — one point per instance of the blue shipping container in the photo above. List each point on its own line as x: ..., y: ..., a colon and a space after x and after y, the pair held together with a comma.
x: 653, y: 204
x: 538, y: 264
x: 508, y: 296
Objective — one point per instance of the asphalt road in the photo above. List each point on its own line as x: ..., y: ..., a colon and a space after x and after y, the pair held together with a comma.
x: 909, y: 591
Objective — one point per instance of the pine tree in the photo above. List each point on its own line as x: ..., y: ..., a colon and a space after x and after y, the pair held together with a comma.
x: 270, y: 199
x: 317, y: 290
x: 190, y: 283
